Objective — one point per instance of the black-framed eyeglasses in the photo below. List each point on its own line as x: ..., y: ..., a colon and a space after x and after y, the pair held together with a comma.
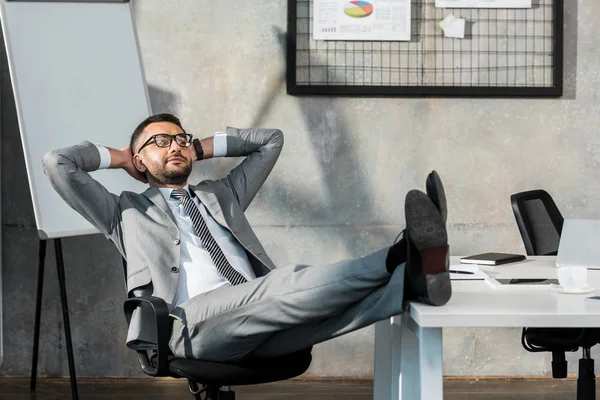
x: 165, y: 140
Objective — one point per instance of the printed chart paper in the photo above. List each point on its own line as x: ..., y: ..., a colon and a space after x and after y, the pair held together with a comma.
x: 361, y: 20
x: 483, y: 3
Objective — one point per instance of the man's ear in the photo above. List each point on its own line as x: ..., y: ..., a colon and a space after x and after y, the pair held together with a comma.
x: 138, y: 163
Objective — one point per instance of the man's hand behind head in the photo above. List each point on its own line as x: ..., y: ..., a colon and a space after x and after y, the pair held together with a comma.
x: 130, y: 168
x: 122, y: 158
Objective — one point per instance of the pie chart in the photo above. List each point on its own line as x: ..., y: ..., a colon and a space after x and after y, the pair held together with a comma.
x: 358, y: 9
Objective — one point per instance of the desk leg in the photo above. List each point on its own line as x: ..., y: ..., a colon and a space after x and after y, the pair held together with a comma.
x: 386, y: 377
x: 421, y: 361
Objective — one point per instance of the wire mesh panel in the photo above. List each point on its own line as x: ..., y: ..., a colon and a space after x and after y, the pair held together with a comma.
x: 505, y: 52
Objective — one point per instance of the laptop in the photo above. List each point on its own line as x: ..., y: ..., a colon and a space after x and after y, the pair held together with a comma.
x: 579, y: 244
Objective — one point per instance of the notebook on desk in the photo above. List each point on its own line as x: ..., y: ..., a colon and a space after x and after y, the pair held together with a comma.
x: 492, y: 258
x: 579, y: 244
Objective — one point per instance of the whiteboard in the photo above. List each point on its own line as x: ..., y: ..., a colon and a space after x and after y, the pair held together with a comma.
x: 77, y: 75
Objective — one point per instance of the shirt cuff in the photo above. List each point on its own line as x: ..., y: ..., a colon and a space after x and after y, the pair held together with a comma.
x: 220, y: 144
x: 104, y: 157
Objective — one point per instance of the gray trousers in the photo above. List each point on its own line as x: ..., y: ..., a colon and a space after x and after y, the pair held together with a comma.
x: 289, y: 309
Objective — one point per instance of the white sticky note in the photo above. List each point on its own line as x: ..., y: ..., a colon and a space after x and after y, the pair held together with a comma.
x: 456, y: 29
x: 453, y: 27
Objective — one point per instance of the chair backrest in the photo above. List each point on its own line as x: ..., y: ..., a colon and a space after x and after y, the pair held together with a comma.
x: 539, y: 221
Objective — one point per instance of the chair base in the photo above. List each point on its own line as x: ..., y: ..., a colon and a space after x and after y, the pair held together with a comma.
x: 559, y: 365
x: 215, y: 393
x: 212, y: 392
x: 586, y: 382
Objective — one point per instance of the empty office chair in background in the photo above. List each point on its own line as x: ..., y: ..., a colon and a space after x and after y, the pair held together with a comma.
x: 540, y: 223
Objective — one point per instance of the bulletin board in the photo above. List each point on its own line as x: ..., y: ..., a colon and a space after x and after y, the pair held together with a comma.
x: 505, y: 52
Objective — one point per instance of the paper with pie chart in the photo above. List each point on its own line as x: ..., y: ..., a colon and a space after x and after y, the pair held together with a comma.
x: 382, y: 20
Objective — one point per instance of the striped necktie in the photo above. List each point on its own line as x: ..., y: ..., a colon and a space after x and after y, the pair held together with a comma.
x: 216, y: 254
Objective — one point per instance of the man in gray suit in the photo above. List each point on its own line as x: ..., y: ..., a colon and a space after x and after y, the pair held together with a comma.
x: 192, y: 246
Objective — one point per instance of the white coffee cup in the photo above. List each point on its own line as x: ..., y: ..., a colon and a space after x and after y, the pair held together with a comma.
x: 572, y: 278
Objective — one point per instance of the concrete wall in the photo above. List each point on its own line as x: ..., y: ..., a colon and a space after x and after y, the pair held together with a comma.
x: 337, y: 190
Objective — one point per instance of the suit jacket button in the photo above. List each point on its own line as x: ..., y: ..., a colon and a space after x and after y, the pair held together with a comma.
x: 176, y: 241
x: 174, y: 270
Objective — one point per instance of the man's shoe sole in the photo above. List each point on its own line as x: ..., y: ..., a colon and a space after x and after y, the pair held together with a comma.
x: 437, y: 194
x: 427, y: 231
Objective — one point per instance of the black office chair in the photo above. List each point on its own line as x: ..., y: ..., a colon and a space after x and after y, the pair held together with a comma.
x: 540, y: 223
x: 214, y: 377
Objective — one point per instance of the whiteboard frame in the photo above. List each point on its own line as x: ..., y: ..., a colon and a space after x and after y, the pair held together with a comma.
x: 1, y: 305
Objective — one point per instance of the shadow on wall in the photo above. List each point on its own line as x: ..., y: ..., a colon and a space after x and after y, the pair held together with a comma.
x: 162, y: 100
x: 349, y: 192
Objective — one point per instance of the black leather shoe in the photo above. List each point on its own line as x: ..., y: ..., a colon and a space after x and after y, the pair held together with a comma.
x: 427, y: 250
x: 435, y: 191
x: 396, y: 254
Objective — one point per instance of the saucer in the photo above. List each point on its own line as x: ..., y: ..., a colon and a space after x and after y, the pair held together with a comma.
x: 559, y: 289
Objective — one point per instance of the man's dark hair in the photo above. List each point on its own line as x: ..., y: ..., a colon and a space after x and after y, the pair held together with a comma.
x: 164, y: 117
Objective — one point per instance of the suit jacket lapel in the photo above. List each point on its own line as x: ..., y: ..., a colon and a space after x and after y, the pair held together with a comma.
x: 157, y: 198
x: 211, y: 202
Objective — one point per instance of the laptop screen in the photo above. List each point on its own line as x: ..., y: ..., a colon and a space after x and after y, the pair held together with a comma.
x: 579, y: 244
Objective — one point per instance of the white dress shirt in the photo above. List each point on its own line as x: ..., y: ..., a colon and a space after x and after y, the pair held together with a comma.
x: 197, y: 272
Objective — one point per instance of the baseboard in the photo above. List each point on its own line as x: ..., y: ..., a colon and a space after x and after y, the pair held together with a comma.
x: 300, y: 378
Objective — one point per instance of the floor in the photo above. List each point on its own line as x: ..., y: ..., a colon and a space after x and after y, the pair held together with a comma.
x: 134, y: 389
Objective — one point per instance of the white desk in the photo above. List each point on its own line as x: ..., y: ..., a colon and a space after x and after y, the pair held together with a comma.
x: 408, y: 347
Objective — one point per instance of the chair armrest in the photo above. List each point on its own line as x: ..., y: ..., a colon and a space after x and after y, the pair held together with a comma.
x: 162, y: 323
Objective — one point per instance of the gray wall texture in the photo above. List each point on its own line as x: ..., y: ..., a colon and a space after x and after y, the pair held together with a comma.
x: 337, y: 191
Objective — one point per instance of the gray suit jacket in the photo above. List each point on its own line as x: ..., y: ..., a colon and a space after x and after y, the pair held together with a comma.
x: 143, y: 227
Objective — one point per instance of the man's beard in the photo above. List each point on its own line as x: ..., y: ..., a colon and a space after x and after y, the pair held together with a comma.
x: 165, y: 177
